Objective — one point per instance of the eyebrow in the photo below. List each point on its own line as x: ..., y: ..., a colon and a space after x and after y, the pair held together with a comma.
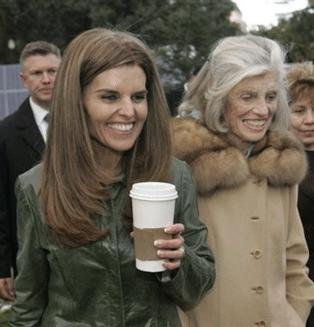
x: 254, y: 90
x: 117, y: 92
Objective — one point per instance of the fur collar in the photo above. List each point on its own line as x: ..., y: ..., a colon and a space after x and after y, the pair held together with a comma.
x: 216, y: 164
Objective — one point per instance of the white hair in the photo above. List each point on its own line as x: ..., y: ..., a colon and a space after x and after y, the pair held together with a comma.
x: 233, y: 59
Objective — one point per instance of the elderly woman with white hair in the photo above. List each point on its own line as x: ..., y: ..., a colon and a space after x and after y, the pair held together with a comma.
x: 234, y: 136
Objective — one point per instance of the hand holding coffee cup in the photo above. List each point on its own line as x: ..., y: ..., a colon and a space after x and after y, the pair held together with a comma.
x: 153, y: 205
x: 172, y: 251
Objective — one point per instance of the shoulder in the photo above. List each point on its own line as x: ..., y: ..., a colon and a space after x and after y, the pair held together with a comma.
x: 9, y: 123
x: 31, y: 178
x: 179, y: 168
x: 192, y: 138
x: 177, y: 165
x: 282, y: 161
x: 181, y: 175
x: 279, y: 157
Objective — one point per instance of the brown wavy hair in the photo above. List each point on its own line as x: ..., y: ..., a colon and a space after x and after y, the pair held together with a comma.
x: 300, y: 80
x: 74, y: 186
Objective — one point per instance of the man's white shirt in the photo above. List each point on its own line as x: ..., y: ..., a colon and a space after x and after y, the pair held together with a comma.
x: 39, y: 116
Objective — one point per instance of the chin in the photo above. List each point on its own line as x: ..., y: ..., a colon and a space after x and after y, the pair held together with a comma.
x: 308, y: 143
x: 122, y: 148
x: 255, y: 138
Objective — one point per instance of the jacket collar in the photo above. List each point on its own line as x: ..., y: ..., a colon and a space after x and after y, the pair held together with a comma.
x: 216, y: 163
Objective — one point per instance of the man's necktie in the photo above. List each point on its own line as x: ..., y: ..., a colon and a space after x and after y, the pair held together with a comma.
x: 46, y: 118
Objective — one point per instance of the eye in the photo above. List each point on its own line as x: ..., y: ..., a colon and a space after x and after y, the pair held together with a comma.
x: 298, y: 110
x: 109, y: 97
x: 271, y: 96
x: 139, y: 97
x: 52, y: 71
x: 36, y: 73
x: 247, y: 96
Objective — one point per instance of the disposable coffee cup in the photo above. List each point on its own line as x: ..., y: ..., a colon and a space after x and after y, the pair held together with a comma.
x: 153, y: 205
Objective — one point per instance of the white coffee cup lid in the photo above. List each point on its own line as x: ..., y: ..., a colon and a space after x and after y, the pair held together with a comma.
x: 153, y: 191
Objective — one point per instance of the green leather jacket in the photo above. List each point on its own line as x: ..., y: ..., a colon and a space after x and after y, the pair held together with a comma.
x: 98, y: 284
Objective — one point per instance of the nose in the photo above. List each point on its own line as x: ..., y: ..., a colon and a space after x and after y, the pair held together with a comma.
x: 46, y: 78
x: 309, y: 116
x: 127, y: 107
x: 262, y: 108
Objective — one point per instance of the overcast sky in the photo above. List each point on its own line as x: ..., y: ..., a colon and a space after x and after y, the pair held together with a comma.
x: 265, y: 12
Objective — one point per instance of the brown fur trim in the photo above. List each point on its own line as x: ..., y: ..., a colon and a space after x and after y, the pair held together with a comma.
x: 217, y: 164
x: 282, y: 161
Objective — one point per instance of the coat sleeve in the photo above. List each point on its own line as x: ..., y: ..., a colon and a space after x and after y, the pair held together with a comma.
x: 196, y: 274
x: 32, y: 278
x: 300, y: 289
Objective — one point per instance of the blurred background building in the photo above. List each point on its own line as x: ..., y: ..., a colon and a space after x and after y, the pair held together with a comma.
x: 12, y: 92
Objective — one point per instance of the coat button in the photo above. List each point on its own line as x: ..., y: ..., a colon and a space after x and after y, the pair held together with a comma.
x: 258, y: 289
x: 258, y: 182
x: 254, y: 218
x: 257, y: 254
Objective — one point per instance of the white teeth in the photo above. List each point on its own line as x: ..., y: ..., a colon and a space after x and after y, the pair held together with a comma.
x: 255, y: 123
x: 121, y: 127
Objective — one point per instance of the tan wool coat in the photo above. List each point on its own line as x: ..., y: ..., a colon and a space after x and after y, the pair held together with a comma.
x: 255, y: 233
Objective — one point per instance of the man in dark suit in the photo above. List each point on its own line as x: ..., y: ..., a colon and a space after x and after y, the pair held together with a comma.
x: 22, y: 141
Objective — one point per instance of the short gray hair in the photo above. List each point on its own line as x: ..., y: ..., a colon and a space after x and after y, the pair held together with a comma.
x: 231, y: 60
x: 41, y: 48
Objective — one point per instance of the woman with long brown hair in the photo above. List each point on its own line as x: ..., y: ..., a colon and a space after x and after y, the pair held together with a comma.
x: 109, y: 128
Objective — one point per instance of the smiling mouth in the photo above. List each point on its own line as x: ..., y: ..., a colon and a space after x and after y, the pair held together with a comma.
x: 307, y: 132
x: 256, y: 124
x: 121, y: 127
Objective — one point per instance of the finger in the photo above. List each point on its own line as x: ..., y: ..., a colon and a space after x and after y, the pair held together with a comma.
x: 11, y: 287
x: 172, y: 265
x: 6, y: 289
x: 171, y: 254
x: 5, y: 293
x: 174, y: 243
x: 168, y: 244
x: 174, y: 229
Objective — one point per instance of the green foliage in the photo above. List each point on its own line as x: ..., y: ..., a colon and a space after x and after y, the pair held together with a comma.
x: 181, y: 32
x: 296, y: 34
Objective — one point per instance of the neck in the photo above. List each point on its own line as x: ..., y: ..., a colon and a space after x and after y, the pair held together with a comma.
x: 244, y: 147
x: 43, y: 104
x: 108, y: 159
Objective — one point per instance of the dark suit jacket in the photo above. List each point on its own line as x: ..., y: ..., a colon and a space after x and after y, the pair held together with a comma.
x: 306, y: 209
x: 21, y: 147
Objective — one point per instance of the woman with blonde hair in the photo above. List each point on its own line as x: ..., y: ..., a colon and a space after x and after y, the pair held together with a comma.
x: 234, y: 136
x: 109, y: 128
